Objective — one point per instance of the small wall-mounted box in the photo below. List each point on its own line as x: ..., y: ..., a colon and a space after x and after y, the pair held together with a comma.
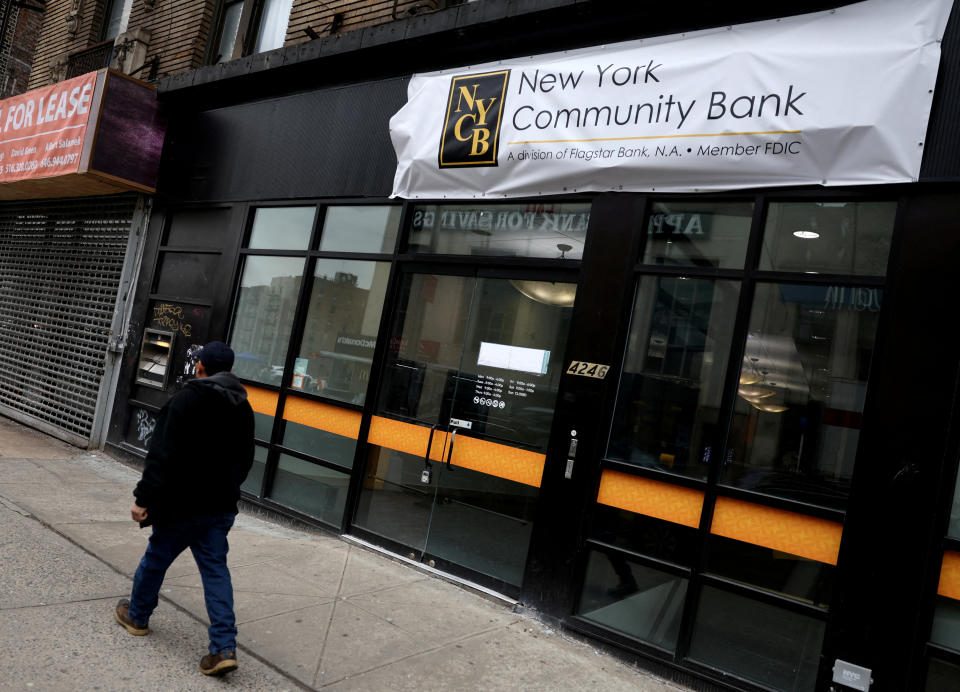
x: 156, y: 352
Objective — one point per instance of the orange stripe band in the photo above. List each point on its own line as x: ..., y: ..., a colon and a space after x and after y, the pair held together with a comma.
x: 262, y: 400
x: 491, y: 458
x: 950, y: 576
x: 314, y: 414
x: 403, y: 437
x: 789, y: 532
x: 652, y: 498
x: 499, y: 460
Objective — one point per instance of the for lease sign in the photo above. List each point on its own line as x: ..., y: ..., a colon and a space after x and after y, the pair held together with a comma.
x: 840, y: 97
x: 42, y: 132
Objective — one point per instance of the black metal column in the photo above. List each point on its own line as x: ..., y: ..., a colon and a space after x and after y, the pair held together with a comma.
x: 599, y: 325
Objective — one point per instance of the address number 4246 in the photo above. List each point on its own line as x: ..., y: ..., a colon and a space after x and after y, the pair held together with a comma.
x: 584, y: 369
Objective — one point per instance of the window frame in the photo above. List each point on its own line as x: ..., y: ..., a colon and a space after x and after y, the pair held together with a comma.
x: 310, y: 255
x: 749, y: 276
x: 126, y: 7
x: 251, y: 17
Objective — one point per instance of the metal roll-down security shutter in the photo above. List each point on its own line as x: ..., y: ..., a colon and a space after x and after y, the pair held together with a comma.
x: 60, y: 270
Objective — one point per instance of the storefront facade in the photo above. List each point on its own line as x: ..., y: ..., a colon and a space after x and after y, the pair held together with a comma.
x: 73, y: 213
x: 712, y: 430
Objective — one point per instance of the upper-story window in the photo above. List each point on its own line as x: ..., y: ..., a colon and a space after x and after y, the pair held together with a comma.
x: 246, y: 27
x: 116, y: 16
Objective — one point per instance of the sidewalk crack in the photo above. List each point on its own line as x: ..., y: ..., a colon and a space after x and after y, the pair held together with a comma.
x: 333, y: 613
x: 46, y: 604
x: 430, y: 650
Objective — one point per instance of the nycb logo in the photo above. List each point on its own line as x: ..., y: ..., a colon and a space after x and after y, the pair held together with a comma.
x: 471, y: 128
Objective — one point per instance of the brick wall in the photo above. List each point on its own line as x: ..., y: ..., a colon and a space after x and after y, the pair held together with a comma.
x: 179, y: 29
x: 55, y: 39
x: 357, y: 14
x: 178, y: 32
x: 26, y: 31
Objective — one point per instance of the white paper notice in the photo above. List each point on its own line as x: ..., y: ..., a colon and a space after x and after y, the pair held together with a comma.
x: 533, y: 360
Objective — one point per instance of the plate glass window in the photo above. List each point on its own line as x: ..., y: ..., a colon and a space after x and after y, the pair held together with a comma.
x: 360, y: 229
x: 556, y: 230
x: 733, y: 633
x: 776, y: 571
x: 631, y: 598
x: 946, y: 623
x: 314, y: 440
x: 263, y: 317
x: 310, y: 488
x: 346, y: 300
x: 672, y: 381
x: 802, y: 389
x: 282, y: 228
x: 701, y: 234
x: 828, y: 237
x: 255, y: 478
x: 942, y: 676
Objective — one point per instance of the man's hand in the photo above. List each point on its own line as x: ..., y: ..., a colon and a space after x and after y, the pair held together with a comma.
x: 138, y: 513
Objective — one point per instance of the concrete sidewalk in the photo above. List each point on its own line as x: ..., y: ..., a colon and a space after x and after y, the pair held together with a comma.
x: 314, y: 611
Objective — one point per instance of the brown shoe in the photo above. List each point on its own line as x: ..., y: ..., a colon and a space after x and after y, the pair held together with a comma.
x: 122, y: 614
x: 218, y: 664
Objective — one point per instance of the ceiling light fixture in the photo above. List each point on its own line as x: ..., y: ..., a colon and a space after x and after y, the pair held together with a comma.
x: 771, y: 408
x: 759, y: 389
x: 749, y: 373
x: 806, y: 235
x: 750, y: 392
x: 547, y: 292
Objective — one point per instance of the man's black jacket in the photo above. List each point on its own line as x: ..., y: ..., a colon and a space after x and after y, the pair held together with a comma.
x: 201, y: 451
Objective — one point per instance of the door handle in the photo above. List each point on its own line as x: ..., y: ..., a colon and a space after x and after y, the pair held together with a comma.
x: 427, y: 474
x: 571, y: 455
x: 453, y: 437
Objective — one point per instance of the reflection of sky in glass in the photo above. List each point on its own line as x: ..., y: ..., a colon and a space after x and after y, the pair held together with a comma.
x: 360, y: 229
x: 261, y: 271
x: 282, y: 228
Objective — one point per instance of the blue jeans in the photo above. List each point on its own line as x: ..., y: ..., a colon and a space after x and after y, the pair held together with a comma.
x: 207, y: 539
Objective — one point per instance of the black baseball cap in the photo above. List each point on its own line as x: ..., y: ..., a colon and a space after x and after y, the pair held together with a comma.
x: 216, y: 357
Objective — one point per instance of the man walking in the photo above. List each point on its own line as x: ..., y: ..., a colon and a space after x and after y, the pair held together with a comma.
x: 201, y: 451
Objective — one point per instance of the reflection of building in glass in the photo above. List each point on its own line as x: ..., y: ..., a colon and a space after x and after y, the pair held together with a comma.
x: 336, y: 307
x: 334, y: 344
x: 262, y: 327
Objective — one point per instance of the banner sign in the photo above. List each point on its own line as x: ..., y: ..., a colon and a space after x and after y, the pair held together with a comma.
x: 99, y: 133
x: 42, y: 131
x: 840, y: 97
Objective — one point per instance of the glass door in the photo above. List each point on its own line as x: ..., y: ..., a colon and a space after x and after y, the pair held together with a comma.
x: 457, y: 445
